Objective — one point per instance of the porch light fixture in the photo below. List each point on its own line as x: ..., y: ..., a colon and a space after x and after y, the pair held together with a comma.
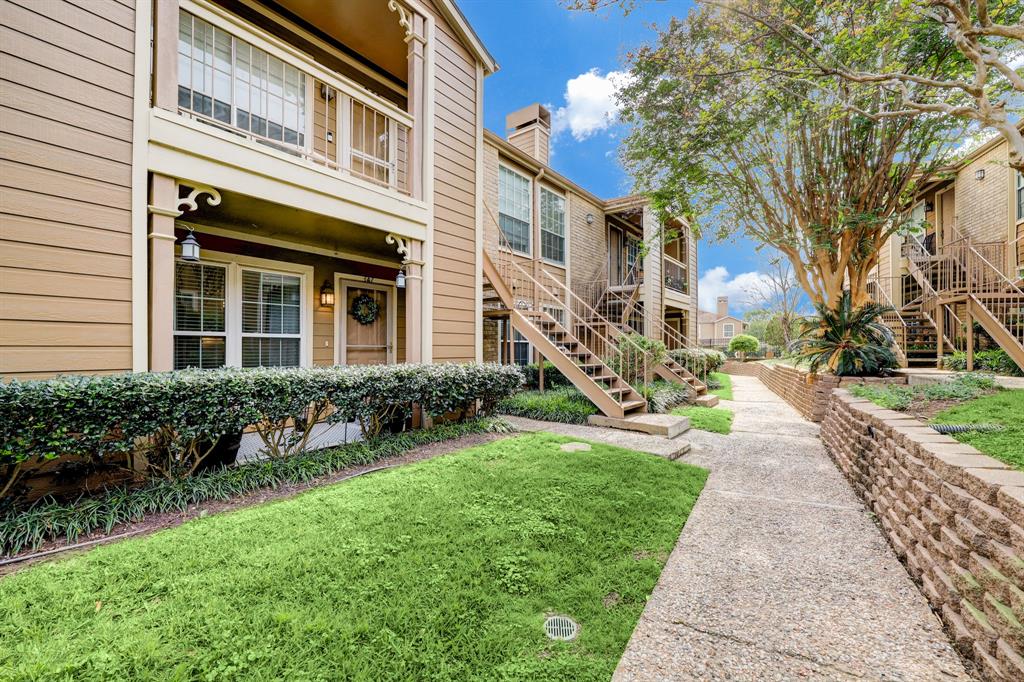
x: 590, y: 219
x: 400, y: 278
x: 979, y: 174
x: 326, y: 294
x: 190, y: 248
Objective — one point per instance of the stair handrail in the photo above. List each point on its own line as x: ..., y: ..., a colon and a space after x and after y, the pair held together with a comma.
x: 610, y: 346
x: 887, y: 300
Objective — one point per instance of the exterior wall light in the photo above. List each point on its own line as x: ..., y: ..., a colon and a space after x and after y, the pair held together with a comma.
x: 979, y: 174
x: 326, y: 294
x: 590, y: 219
x: 400, y: 278
x: 190, y: 248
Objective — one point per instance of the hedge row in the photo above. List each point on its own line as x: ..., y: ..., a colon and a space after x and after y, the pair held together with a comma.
x: 173, y: 420
x: 996, y: 360
x: 73, y: 520
x: 699, y: 361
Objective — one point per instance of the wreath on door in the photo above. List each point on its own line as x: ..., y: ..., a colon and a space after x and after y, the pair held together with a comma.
x: 365, y: 309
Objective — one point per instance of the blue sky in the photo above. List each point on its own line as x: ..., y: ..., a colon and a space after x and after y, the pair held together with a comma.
x: 568, y: 60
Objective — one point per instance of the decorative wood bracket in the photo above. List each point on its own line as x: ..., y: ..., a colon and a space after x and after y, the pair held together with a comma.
x: 402, y: 247
x: 405, y: 21
x: 191, y: 202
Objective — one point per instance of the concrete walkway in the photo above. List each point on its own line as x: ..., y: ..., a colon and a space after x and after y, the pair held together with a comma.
x: 780, y: 572
x: 631, y: 440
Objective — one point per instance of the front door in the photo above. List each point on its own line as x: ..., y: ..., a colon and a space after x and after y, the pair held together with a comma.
x: 365, y: 327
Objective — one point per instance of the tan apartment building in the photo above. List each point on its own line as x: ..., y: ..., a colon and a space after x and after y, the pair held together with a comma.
x: 572, y: 273
x: 608, y: 253
x: 715, y: 329
x: 326, y: 157
x: 960, y: 271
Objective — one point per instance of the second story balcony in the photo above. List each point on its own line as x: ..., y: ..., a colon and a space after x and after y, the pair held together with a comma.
x: 246, y: 99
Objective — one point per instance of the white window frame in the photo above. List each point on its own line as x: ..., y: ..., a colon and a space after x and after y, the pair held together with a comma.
x: 565, y: 229
x: 556, y: 312
x: 175, y: 333
x: 728, y: 330
x: 529, y: 209
x: 1017, y: 196
x: 233, y: 300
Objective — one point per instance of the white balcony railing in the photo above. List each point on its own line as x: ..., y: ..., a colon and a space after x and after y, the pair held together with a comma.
x: 242, y: 80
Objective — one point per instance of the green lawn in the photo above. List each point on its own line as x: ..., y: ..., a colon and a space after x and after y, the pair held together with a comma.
x: 439, y: 570
x: 725, y: 392
x: 714, y: 419
x: 1006, y: 408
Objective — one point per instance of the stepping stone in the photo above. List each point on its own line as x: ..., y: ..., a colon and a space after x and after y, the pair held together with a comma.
x: 575, y: 447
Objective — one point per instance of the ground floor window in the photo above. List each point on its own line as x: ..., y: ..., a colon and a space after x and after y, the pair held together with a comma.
x: 240, y: 314
x: 515, y: 350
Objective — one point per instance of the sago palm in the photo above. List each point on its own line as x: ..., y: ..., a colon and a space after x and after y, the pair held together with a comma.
x: 848, y: 341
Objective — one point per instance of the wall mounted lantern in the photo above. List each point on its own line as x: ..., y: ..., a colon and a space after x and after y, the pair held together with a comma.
x: 590, y: 219
x: 190, y: 248
x: 979, y: 174
x: 326, y: 294
x: 400, y: 278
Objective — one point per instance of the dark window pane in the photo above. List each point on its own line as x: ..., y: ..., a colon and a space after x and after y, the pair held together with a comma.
x: 184, y: 97
x: 274, y: 131
x: 222, y: 111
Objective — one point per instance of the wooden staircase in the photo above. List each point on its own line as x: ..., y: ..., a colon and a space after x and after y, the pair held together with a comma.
x: 581, y: 363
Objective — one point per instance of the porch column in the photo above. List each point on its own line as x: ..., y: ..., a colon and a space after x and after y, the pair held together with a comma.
x: 165, y: 55
x: 414, y: 302
x: 417, y: 102
x: 163, y: 202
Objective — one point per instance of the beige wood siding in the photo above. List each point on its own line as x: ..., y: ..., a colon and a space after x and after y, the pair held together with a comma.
x: 455, y: 266
x: 66, y: 79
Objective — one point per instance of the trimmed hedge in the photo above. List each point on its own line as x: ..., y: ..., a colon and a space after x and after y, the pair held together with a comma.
x: 173, y: 420
x: 566, y: 405
x: 699, y: 361
x: 72, y: 520
x: 552, y: 377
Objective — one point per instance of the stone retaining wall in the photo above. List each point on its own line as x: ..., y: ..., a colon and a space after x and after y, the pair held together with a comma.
x: 955, y: 518
x: 809, y: 393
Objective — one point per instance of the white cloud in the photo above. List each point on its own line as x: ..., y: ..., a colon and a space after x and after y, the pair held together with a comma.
x: 716, y: 282
x: 590, y: 104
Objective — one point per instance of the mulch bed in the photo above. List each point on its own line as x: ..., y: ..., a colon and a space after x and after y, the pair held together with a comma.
x: 162, y: 520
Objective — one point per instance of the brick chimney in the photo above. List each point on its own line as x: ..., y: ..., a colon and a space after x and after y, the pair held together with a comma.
x: 723, y: 306
x: 529, y: 130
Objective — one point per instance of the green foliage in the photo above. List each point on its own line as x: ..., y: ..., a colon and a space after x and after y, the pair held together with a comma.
x: 438, y: 570
x: 47, y: 520
x: 743, y: 343
x: 552, y: 377
x: 713, y: 419
x: 847, y: 341
x: 699, y: 361
x: 172, y: 420
x: 720, y: 384
x: 661, y: 396
x: 902, y: 397
x: 565, y: 405
x: 638, y: 356
x: 1006, y: 408
x: 997, y: 361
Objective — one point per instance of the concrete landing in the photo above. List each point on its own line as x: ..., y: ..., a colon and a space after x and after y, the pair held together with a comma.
x: 706, y: 400
x: 665, y: 425
x: 631, y: 440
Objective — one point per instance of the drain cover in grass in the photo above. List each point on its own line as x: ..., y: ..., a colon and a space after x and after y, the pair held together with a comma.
x: 576, y: 447
x: 561, y: 627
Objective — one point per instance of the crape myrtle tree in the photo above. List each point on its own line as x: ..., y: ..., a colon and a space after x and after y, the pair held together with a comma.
x: 728, y: 130
x: 978, y: 77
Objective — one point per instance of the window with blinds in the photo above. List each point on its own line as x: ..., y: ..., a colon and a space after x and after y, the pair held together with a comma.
x: 200, y: 335
x: 552, y: 227
x: 514, y: 209
x: 271, y: 319
x: 230, y: 81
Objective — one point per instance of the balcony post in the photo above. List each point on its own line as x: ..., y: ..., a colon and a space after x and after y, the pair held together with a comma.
x: 165, y: 55
x: 415, y: 37
x: 414, y: 302
x: 163, y: 198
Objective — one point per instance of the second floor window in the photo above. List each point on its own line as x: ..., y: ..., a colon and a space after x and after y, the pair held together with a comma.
x: 232, y: 82
x: 728, y: 330
x: 514, y: 209
x: 1020, y: 196
x: 552, y: 227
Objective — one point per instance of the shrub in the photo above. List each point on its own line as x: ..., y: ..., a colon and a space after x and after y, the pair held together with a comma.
x: 173, y: 420
x: 897, y: 397
x: 848, y: 341
x: 566, y: 405
x: 699, y: 361
x: 638, y: 356
x: 552, y: 377
x: 662, y: 396
x: 49, y: 520
x: 997, y: 361
x: 744, y: 343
